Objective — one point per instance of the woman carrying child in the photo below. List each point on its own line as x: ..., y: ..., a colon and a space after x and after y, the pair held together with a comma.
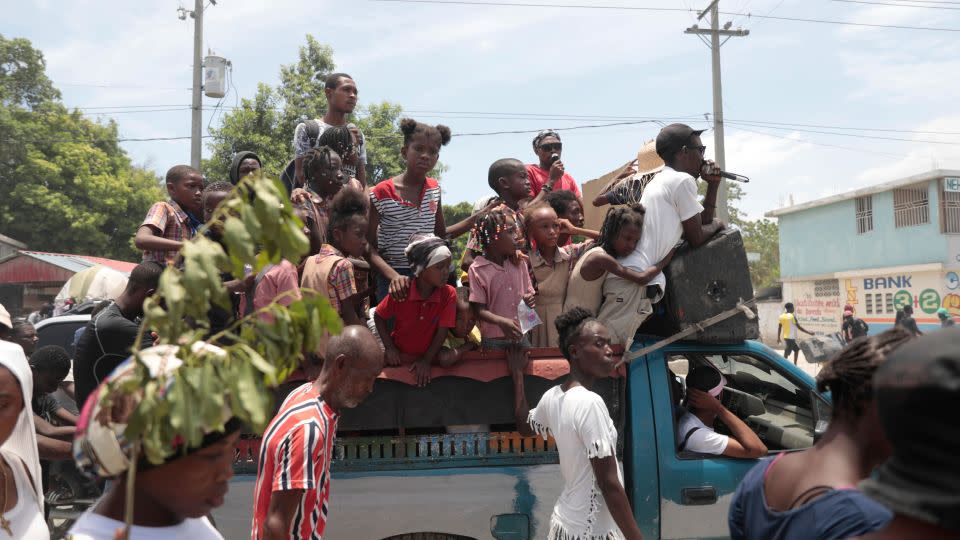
x: 550, y: 264
x: 588, y: 281
x: 422, y: 319
x: 498, y: 284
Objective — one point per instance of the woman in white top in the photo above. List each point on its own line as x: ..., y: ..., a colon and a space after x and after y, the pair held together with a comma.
x: 593, y: 504
x: 21, y: 499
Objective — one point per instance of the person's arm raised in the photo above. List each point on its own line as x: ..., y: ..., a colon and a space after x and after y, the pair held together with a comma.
x: 568, y: 228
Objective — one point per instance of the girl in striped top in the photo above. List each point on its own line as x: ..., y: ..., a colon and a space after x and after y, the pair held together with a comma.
x: 405, y: 205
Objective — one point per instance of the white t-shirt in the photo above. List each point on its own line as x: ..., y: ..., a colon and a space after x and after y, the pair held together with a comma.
x: 579, y: 422
x: 92, y: 526
x: 704, y: 440
x: 26, y: 517
x: 669, y: 199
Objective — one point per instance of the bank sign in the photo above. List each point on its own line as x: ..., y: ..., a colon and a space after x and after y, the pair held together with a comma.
x: 951, y: 184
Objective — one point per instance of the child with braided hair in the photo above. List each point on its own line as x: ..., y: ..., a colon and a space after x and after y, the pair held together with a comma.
x: 322, y: 168
x: 498, y: 283
x: 422, y: 319
x: 340, y: 140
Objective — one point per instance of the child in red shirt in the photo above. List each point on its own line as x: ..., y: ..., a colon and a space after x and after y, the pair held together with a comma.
x: 420, y: 321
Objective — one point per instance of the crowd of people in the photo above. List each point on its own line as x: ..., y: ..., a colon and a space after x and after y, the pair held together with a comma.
x: 382, y: 258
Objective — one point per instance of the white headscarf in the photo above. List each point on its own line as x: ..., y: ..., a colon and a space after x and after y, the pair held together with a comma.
x: 23, y: 440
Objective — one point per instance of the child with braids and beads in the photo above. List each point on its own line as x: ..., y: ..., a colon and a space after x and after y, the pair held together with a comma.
x: 622, y: 309
x: 498, y: 283
x: 406, y: 205
x: 340, y: 140
x: 324, y: 177
x: 422, y: 319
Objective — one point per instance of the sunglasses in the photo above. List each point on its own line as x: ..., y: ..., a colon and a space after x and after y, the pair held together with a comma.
x: 701, y: 149
x: 551, y: 147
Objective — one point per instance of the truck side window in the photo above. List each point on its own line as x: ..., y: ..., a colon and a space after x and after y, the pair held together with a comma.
x: 779, y: 411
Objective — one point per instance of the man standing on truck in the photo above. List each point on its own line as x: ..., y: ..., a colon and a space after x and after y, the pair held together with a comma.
x: 292, y: 492
x: 788, y: 330
x: 695, y: 431
x: 672, y: 209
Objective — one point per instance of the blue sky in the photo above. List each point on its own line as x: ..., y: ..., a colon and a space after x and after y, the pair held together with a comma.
x: 539, y: 66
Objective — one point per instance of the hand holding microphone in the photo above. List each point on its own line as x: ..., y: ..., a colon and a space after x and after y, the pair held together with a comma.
x: 556, y: 168
x: 711, y: 173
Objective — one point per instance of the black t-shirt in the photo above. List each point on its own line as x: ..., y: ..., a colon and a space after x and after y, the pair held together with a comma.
x: 910, y: 324
x: 45, y: 406
x: 104, y: 345
x: 854, y: 327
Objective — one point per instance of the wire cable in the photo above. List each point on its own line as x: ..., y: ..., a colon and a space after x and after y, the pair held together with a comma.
x: 897, y: 5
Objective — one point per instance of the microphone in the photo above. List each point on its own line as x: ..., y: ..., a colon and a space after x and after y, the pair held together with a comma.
x: 554, y: 157
x: 734, y: 176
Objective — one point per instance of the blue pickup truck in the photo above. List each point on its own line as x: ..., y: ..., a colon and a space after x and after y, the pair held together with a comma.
x: 407, y: 467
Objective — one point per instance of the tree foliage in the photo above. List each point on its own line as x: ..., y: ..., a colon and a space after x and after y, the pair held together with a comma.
x: 763, y: 237
x: 66, y: 185
x: 454, y: 213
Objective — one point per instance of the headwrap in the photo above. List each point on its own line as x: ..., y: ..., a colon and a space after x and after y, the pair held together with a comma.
x: 702, y: 376
x: 917, y: 391
x: 426, y: 251
x: 238, y: 158
x: 22, y: 442
x: 543, y: 135
x: 100, y: 447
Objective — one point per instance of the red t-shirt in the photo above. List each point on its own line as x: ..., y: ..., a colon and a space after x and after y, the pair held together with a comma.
x: 538, y: 177
x: 417, y: 319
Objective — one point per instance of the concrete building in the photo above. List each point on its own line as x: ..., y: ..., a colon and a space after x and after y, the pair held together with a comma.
x: 878, y: 249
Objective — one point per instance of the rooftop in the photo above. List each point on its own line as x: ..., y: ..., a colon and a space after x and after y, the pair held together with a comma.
x: 862, y: 192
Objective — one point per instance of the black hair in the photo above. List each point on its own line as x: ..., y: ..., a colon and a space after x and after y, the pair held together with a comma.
x: 51, y: 358
x: 333, y: 80
x: 338, y: 138
x: 618, y: 217
x: 543, y: 135
x: 849, y: 375
x: 179, y: 172
x: 420, y: 248
x: 908, y: 309
x: 145, y: 275
x: 703, y: 378
x: 347, y: 204
x: 488, y: 226
x: 20, y: 326
x: 409, y: 127
x: 560, y: 200
x: 317, y: 159
x: 789, y: 307
x: 569, y: 324
x: 499, y: 169
x: 219, y: 185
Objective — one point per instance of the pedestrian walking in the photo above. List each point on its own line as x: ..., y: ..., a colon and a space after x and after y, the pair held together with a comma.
x: 946, y: 320
x: 593, y: 503
x: 788, y: 330
x: 811, y: 494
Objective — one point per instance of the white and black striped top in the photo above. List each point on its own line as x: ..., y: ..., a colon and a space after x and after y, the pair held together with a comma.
x: 400, y: 219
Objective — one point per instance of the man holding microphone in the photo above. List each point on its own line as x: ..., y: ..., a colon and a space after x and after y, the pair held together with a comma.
x: 672, y: 213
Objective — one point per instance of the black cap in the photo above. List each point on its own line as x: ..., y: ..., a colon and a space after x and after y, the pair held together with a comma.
x: 673, y: 138
x: 917, y: 391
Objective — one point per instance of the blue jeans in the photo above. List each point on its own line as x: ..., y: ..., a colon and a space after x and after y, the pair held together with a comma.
x: 383, y: 284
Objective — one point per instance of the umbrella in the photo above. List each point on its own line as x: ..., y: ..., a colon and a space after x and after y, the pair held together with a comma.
x: 95, y: 283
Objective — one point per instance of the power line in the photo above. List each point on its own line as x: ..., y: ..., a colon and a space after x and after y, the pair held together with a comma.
x: 857, y: 135
x: 666, y: 9
x: 109, y: 85
x: 922, y: 6
x: 808, y: 141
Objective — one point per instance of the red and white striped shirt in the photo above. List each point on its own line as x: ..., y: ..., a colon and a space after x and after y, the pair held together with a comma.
x: 295, y: 455
x: 400, y: 219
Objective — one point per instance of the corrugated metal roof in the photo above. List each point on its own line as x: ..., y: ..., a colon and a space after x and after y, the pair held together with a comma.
x: 42, y: 267
x: 72, y: 263
x: 11, y: 242
x: 863, y: 192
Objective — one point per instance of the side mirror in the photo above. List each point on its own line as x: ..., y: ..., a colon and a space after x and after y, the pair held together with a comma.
x: 510, y: 526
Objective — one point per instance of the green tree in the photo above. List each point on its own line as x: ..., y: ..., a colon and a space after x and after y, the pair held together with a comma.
x: 763, y: 236
x: 265, y: 123
x: 455, y: 213
x: 66, y: 185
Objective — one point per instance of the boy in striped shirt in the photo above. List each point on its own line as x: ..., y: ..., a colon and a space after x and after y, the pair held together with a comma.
x: 292, y: 493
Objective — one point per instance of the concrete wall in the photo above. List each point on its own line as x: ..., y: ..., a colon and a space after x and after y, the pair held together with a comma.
x: 769, y: 312
x: 824, y: 239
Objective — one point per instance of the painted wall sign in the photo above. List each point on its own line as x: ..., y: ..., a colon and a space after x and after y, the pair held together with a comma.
x: 890, y: 282
x: 951, y: 184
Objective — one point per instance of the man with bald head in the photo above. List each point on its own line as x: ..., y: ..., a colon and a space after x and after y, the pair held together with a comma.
x: 293, y: 478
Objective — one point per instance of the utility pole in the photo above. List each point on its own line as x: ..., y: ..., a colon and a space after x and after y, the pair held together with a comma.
x: 715, y: 32
x: 196, y: 123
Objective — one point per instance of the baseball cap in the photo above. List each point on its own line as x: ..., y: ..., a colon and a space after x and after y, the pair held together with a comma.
x: 673, y: 137
x: 943, y: 313
x: 5, y: 317
x: 917, y: 391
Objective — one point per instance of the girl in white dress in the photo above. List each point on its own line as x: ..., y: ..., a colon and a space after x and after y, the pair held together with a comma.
x: 593, y: 504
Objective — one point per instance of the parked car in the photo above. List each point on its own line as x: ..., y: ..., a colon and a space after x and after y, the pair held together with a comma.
x: 60, y: 330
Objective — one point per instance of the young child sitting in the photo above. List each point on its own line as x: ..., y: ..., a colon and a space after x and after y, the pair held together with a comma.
x: 465, y: 336
x: 330, y: 272
x: 624, y: 306
x: 498, y: 284
x: 550, y: 264
x: 422, y: 319
x: 170, y: 223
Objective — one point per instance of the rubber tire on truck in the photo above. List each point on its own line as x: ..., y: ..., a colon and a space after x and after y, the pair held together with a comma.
x: 704, y: 282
